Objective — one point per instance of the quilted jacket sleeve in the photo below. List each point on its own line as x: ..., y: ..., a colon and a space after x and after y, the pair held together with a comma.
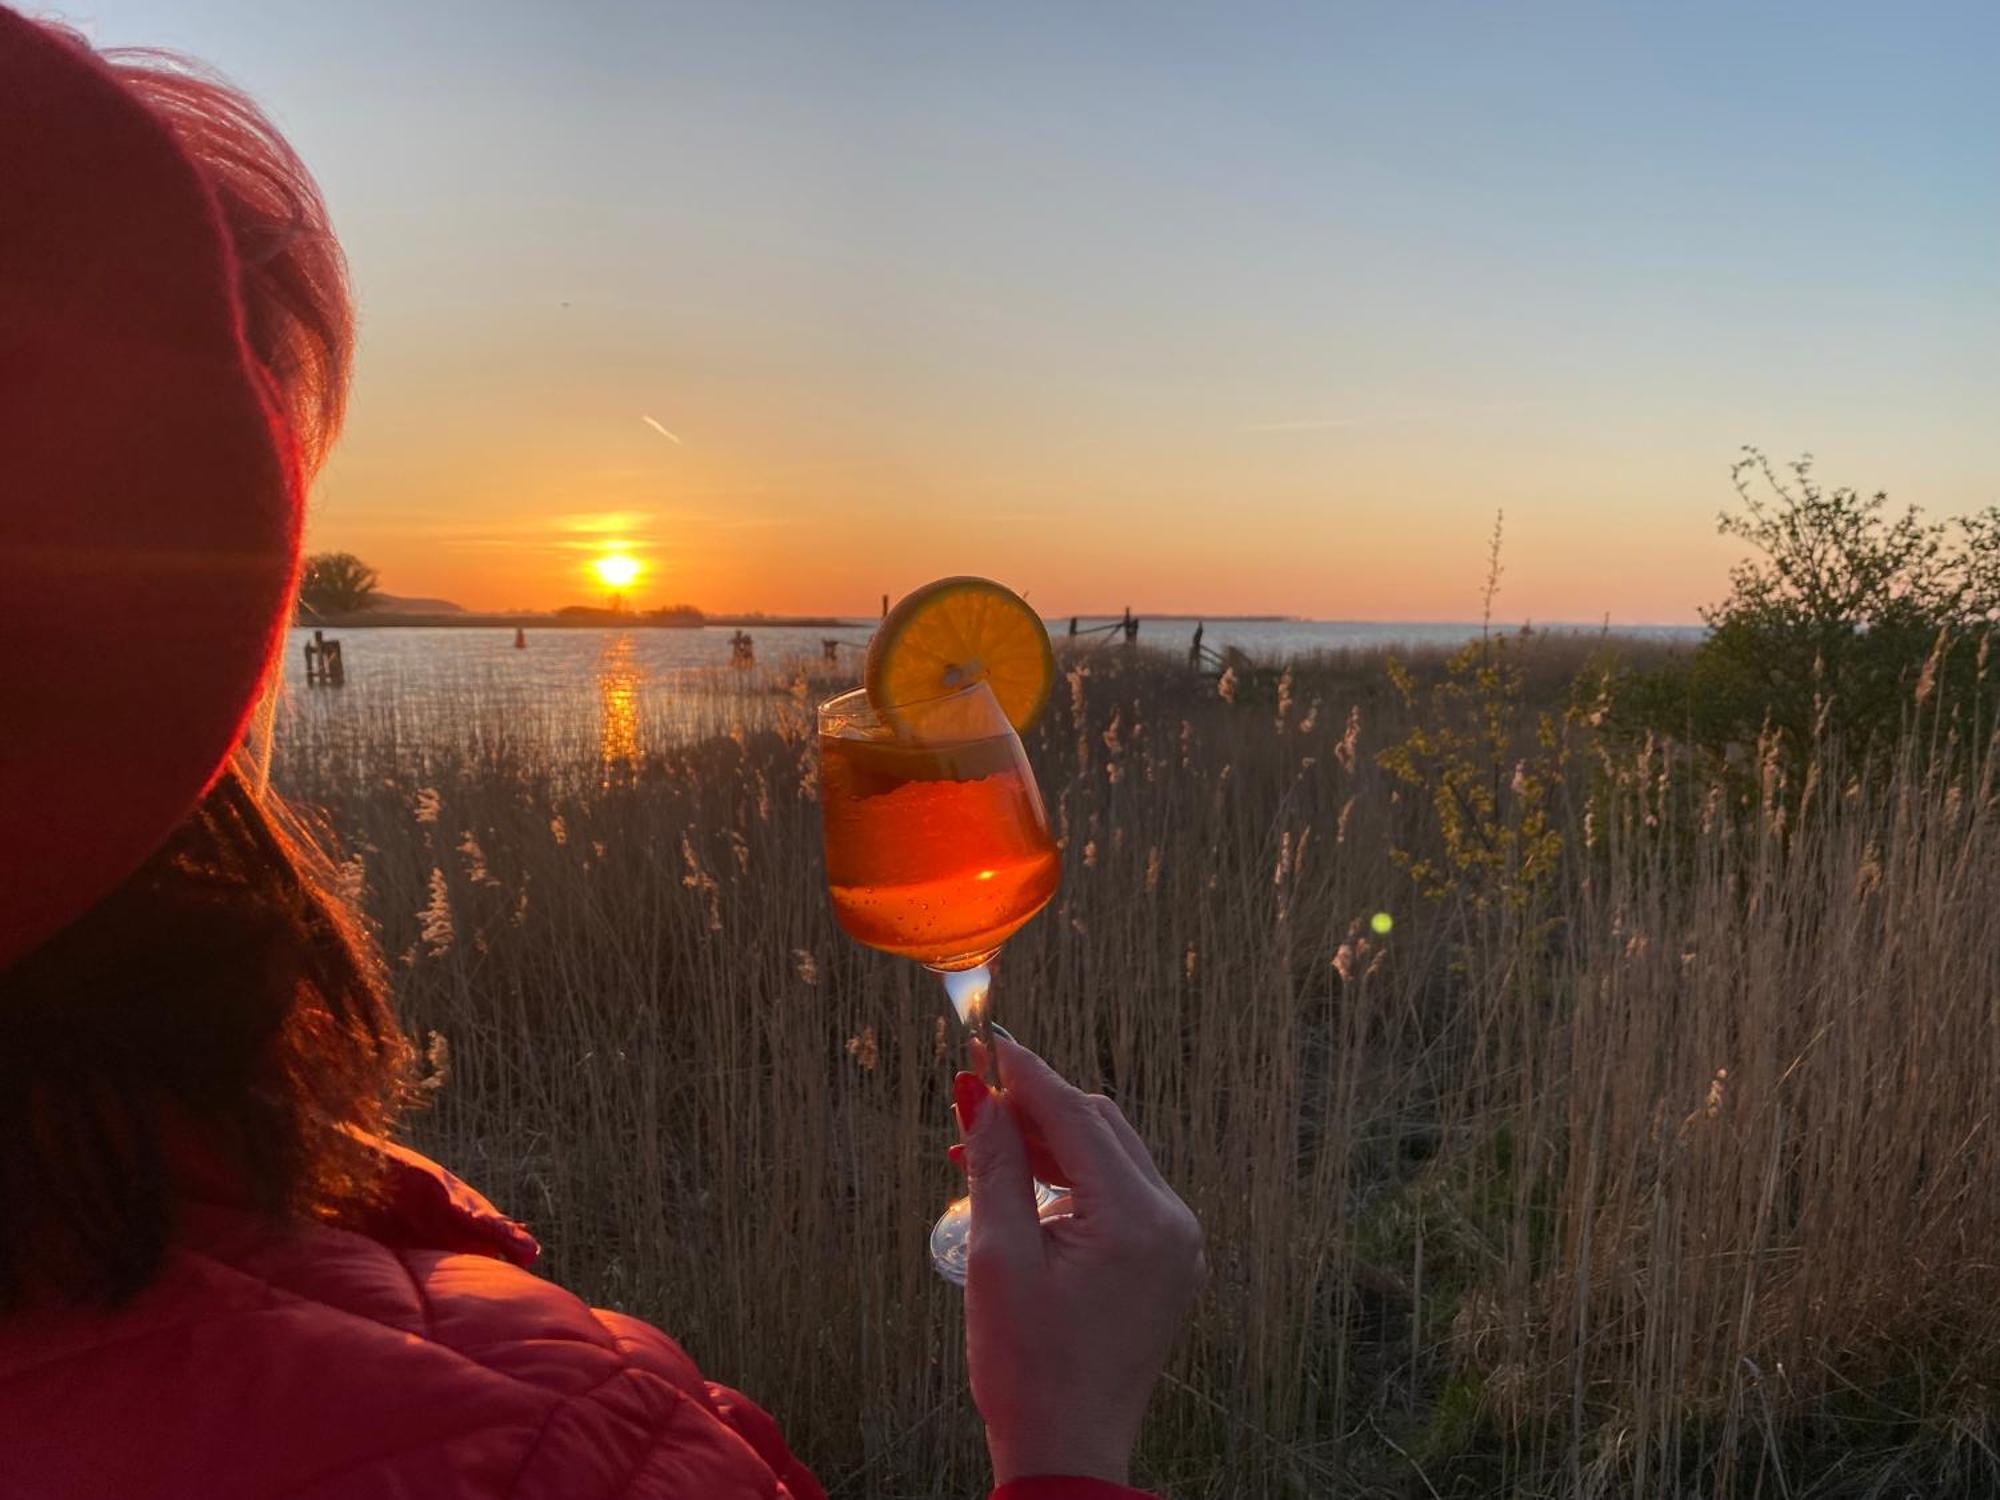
x: 754, y: 1425
x: 650, y: 1350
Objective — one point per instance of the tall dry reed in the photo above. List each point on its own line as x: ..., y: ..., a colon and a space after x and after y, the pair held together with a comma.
x: 1616, y: 1173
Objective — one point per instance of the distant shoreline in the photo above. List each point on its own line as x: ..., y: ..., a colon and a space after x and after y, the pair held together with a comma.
x: 387, y: 620
x: 377, y: 619
x: 467, y: 620
x: 384, y: 619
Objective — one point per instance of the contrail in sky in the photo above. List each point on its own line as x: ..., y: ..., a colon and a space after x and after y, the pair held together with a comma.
x: 663, y: 432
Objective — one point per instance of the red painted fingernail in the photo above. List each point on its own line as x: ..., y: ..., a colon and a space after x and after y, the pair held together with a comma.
x: 969, y: 1095
x: 955, y: 1154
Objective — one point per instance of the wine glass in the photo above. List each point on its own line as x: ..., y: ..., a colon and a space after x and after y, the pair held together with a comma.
x: 937, y: 849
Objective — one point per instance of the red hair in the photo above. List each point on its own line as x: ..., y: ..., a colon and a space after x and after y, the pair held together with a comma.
x: 291, y: 275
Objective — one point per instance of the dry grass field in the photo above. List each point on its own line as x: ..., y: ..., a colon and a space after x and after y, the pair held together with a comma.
x: 1649, y: 1152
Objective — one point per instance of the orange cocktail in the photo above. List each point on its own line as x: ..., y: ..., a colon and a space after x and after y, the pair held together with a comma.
x: 937, y: 843
x: 937, y: 852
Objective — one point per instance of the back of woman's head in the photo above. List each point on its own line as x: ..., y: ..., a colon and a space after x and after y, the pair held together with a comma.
x: 291, y: 276
x: 222, y: 1004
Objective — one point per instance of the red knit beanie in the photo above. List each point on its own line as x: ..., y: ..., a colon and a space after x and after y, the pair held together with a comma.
x: 150, y: 498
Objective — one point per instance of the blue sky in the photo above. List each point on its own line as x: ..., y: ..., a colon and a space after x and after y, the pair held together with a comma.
x: 1246, y: 306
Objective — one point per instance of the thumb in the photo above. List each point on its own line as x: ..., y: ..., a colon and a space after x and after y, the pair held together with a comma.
x: 1004, y: 1216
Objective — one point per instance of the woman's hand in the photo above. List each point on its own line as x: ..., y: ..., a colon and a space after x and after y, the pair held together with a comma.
x: 1067, y: 1323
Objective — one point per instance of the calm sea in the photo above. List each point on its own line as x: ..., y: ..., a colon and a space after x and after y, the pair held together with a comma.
x: 607, y: 693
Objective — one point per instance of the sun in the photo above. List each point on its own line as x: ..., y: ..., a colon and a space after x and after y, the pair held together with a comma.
x: 617, y: 570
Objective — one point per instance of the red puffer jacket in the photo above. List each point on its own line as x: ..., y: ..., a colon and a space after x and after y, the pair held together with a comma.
x: 409, y: 1356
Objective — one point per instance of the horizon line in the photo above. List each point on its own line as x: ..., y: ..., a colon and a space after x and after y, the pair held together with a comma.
x: 1498, y: 624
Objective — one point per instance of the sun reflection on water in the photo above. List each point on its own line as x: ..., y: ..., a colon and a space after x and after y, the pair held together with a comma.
x: 618, y: 677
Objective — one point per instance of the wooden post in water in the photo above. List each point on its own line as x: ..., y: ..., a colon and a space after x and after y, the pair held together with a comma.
x: 325, y: 667
x: 1130, y: 627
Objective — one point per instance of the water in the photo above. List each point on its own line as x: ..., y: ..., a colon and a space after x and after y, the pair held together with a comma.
x: 443, y: 662
x: 555, y: 660
x: 605, y: 694
x: 1283, y: 639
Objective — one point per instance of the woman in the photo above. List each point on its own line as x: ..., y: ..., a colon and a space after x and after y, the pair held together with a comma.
x: 217, y: 1276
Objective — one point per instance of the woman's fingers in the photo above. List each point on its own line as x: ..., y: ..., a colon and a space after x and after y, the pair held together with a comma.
x: 1094, y: 1161
x: 1004, y: 1217
x: 1041, y: 1157
x: 1129, y: 1138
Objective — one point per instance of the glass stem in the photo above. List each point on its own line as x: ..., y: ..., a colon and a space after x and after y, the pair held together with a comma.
x: 971, y: 991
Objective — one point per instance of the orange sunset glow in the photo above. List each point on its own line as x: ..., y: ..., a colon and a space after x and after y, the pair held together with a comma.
x: 1273, y: 330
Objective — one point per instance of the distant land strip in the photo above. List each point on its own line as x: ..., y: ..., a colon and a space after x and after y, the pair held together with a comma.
x: 596, y: 619
x: 377, y: 619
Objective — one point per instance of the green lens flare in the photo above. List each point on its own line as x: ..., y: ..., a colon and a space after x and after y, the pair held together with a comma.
x: 1381, y: 923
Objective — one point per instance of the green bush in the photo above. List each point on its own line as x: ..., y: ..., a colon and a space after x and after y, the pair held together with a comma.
x: 1845, y: 617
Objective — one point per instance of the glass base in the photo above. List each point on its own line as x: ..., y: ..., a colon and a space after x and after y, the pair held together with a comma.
x: 951, y: 1236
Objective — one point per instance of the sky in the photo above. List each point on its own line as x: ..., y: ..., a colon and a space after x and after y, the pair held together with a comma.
x: 1229, y: 308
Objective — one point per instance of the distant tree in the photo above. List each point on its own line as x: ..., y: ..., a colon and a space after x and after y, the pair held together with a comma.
x: 336, y: 583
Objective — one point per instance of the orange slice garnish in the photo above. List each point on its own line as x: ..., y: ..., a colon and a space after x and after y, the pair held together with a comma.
x: 955, y: 632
